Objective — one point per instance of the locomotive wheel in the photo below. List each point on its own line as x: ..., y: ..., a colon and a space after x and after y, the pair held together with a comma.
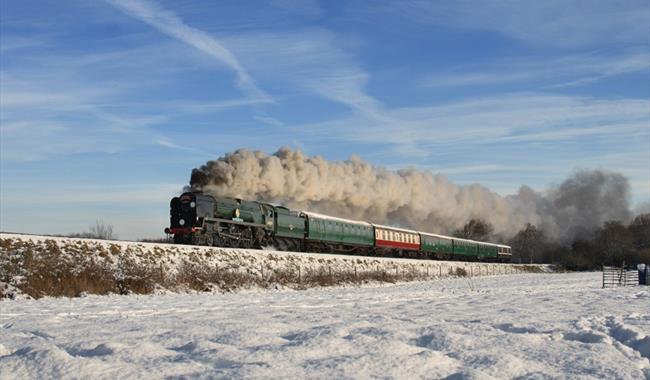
x: 264, y: 241
x: 209, y: 240
x: 281, y: 245
x: 247, y: 238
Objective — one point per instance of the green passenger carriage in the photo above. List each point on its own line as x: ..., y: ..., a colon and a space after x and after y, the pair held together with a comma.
x: 487, y: 250
x: 436, y: 245
x: 324, y: 230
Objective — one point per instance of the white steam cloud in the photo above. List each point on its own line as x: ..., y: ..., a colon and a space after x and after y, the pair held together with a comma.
x: 412, y: 198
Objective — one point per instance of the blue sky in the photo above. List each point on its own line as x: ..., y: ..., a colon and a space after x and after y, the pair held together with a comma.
x: 105, y: 107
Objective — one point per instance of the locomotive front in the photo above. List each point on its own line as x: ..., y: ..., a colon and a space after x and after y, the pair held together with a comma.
x: 186, y: 215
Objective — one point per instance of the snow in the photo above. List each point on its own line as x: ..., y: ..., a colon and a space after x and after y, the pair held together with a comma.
x: 494, y: 327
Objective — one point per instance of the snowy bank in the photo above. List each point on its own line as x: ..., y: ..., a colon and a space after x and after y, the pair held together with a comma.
x: 54, y: 266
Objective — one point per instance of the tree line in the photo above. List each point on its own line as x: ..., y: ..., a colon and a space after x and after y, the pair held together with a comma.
x: 614, y: 243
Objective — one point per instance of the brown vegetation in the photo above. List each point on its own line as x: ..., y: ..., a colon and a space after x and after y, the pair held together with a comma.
x: 72, y: 268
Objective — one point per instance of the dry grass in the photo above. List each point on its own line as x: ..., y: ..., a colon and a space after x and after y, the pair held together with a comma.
x: 40, y: 270
x: 530, y: 268
x: 72, y: 268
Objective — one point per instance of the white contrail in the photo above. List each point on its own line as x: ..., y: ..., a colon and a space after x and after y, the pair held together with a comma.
x: 167, y: 22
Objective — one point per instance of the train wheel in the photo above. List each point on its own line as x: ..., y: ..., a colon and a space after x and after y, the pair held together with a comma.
x: 247, y: 238
x: 209, y: 240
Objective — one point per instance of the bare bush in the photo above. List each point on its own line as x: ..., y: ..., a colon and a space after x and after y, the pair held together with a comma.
x: 135, y: 277
x: 99, y: 230
x: 207, y: 278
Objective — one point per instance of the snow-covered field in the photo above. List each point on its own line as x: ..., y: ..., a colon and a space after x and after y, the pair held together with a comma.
x: 517, y: 326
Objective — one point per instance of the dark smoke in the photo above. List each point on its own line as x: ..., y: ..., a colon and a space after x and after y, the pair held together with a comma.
x: 412, y: 198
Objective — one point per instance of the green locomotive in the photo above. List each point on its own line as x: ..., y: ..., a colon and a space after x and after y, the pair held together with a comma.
x: 197, y: 218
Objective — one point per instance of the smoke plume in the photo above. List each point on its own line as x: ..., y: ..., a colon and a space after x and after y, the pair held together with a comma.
x: 412, y: 198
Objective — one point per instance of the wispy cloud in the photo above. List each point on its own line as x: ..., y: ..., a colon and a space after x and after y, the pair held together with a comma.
x: 12, y: 42
x: 167, y: 22
x: 309, y: 60
x: 561, y: 23
x: 89, y: 193
x: 268, y: 120
x: 512, y: 117
x: 304, y: 8
x: 91, y: 102
x: 544, y: 72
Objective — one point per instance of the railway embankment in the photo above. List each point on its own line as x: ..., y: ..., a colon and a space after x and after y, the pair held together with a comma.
x: 40, y: 266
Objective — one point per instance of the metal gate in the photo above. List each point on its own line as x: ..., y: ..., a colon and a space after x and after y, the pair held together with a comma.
x: 619, y: 276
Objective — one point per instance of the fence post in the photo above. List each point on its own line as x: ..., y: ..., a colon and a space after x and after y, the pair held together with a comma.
x: 355, y: 273
x: 299, y: 275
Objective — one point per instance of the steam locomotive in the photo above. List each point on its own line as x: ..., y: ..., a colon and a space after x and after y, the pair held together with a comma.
x: 197, y: 218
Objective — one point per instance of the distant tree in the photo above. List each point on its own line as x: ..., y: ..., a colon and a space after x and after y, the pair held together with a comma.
x: 582, y: 255
x: 616, y: 243
x: 528, y: 244
x: 475, y: 229
x: 101, y: 230
x: 640, y: 229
